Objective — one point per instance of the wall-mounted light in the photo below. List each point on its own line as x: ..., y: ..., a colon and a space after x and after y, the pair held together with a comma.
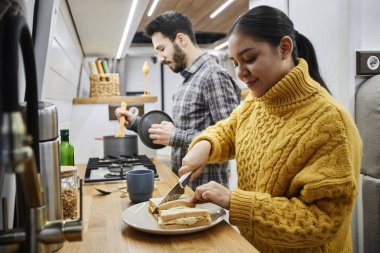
x: 223, y: 45
x: 152, y: 7
x: 126, y: 28
x: 221, y: 8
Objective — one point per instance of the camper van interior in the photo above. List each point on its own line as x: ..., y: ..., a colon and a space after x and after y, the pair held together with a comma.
x: 68, y: 66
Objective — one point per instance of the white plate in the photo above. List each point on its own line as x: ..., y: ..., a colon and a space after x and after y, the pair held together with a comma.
x: 138, y: 217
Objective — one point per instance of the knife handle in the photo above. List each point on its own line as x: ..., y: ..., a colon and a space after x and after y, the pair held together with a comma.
x: 183, y: 180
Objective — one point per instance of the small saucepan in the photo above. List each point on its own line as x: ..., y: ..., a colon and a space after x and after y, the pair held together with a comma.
x: 120, y: 146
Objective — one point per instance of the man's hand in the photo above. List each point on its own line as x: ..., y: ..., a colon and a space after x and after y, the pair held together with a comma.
x: 127, y: 114
x: 160, y: 133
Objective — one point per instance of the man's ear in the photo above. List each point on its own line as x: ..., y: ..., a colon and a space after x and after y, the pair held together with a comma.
x: 181, y: 39
x: 286, y: 47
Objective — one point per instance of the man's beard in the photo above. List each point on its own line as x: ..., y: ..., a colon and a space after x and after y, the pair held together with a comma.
x: 178, y: 59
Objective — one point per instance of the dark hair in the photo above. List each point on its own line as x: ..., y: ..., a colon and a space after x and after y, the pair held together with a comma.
x: 270, y: 25
x: 170, y: 23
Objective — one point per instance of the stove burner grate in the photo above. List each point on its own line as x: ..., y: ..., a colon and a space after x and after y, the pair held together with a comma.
x: 115, y: 169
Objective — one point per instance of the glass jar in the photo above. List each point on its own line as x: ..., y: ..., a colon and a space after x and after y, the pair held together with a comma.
x: 70, y: 192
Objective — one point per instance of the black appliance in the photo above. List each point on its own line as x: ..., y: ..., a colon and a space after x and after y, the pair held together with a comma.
x: 114, y: 169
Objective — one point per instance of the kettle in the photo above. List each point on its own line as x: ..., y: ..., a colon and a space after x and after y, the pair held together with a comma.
x: 49, y: 159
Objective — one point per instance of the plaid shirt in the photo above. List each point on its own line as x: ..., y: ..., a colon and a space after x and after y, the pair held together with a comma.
x: 208, y: 94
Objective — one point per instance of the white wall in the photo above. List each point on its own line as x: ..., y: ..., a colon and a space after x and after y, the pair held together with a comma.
x: 370, y: 20
x: 63, y: 65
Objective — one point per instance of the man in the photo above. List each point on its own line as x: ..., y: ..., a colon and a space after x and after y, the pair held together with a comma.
x: 208, y: 93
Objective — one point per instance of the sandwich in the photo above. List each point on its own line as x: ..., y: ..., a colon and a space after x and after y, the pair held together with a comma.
x: 182, y: 201
x: 183, y: 217
x: 180, y: 213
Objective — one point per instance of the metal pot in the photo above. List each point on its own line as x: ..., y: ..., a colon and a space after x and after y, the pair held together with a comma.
x: 120, y: 146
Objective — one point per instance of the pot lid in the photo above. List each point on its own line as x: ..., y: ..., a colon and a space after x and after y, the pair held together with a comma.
x: 152, y: 117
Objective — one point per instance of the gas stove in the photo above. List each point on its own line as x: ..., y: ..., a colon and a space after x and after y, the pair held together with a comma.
x: 112, y: 169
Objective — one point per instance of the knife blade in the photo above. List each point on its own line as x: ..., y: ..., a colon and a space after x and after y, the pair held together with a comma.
x: 177, y: 191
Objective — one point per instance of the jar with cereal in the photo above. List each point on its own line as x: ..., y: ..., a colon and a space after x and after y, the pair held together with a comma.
x: 70, y: 192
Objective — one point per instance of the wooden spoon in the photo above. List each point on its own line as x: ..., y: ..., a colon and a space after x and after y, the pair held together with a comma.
x: 106, y: 192
x: 121, y: 133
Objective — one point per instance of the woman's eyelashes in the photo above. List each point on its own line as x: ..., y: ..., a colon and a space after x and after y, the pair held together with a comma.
x: 250, y: 59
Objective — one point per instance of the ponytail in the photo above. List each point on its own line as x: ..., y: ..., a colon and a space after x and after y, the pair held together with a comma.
x: 304, y: 49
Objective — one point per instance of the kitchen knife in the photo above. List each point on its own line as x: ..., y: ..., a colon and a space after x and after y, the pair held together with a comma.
x: 177, y: 191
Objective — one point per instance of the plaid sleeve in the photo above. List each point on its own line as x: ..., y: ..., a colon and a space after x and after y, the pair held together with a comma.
x: 135, y: 123
x: 221, y: 95
x: 182, y: 138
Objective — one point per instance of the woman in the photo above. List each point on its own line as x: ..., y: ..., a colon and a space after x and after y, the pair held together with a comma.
x: 297, y: 150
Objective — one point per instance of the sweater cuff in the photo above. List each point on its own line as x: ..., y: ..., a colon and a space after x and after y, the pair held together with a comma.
x: 241, y: 206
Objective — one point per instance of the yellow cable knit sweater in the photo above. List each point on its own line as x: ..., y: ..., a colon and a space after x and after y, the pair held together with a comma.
x: 298, y: 155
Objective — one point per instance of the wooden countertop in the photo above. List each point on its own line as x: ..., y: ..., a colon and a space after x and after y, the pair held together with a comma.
x: 105, y: 232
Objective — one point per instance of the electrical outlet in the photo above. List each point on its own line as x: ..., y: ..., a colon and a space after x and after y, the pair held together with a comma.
x: 134, y: 108
x: 368, y: 63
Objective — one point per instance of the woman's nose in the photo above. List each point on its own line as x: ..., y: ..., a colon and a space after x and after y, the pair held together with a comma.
x: 242, y: 72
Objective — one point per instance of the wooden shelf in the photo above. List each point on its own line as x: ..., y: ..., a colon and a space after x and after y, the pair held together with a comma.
x: 115, y: 99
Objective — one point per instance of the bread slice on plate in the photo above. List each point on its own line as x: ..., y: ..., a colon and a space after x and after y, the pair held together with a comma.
x: 183, y: 201
x: 183, y: 217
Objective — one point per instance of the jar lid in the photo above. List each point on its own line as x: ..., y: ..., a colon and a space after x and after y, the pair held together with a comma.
x: 68, y: 171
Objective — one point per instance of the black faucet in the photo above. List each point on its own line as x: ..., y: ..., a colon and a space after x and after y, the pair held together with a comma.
x: 19, y: 147
x: 17, y: 34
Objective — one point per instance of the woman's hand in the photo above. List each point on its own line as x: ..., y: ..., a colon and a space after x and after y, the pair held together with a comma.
x: 128, y: 116
x: 214, y: 193
x: 196, y: 159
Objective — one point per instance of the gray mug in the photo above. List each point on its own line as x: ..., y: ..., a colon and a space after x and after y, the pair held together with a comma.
x: 140, y: 184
